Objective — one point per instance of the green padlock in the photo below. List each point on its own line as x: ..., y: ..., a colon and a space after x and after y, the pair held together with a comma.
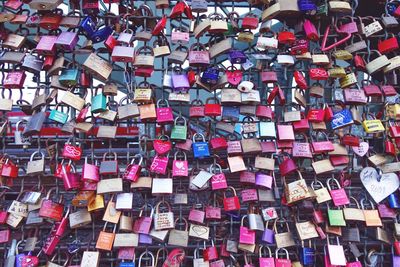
x: 232, y: 24
x: 99, y: 103
x: 336, y: 217
x: 59, y: 116
x: 179, y: 132
x: 69, y: 76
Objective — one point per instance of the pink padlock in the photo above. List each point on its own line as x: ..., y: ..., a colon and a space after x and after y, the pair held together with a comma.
x: 164, y: 113
x: 14, y: 79
x: 180, y: 166
x: 142, y: 224
x: 310, y: 30
x: 282, y: 262
x: 200, y: 57
x: 196, y: 215
x: 159, y: 164
x: 132, y: 171
x: 264, y: 180
x: 249, y: 195
x: 72, y: 180
x: 178, y: 36
x: 339, y: 195
x: 247, y: 177
x: 246, y: 236
x: 218, y: 180
x: 67, y: 40
x: 264, y: 259
x: 47, y: 45
x: 90, y: 172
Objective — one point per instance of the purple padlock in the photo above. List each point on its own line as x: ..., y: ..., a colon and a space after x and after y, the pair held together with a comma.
x: 264, y: 180
x: 145, y: 239
x: 237, y: 57
x: 180, y: 81
x: 268, y: 235
x: 67, y: 40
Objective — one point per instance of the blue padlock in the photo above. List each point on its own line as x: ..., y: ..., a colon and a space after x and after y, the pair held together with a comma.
x: 394, y: 201
x: 88, y: 26
x: 307, y: 256
x: 307, y: 6
x: 230, y: 113
x: 200, y: 149
x: 210, y: 75
x: 101, y: 34
x: 237, y: 57
x: 127, y: 264
x: 341, y: 119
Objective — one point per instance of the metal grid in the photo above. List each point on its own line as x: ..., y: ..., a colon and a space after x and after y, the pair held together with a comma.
x: 120, y: 146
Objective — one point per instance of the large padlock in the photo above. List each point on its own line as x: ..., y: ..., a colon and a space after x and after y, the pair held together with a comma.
x: 179, y: 131
x: 200, y: 149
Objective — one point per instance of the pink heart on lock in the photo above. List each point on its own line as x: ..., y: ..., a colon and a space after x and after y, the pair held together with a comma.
x: 362, y: 149
x: 162, y: 146
x: 234, y: 77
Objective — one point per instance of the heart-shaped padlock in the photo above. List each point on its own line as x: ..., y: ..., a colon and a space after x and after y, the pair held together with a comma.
x: 379, y: 186
x: 162, y: 146
x: 234, y: 76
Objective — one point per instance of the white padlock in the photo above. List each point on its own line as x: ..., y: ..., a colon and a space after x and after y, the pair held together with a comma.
x: 245, y: 86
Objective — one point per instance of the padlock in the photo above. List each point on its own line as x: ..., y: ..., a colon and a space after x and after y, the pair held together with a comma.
x: 179, y: 131
x: 132, y: 171
x: 9, y: 169
x: 212, y: 109
x: 51, y: 210
x: 59, y: 116
x: 180, y: 80
x: 14, y: 80
x: 99, y: 102
x: 67, y: 40
x: 109, y: 167
x: 231, y: 203
x: 210, y: 75
x: 200, y: 149
x: 237, y: 57
x: 164, y: 113
x: 37, y: 166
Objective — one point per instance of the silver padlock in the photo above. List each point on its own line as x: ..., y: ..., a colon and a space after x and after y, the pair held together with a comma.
x: 256, y: 222
x: 19, y: 139
x: 201, y: 178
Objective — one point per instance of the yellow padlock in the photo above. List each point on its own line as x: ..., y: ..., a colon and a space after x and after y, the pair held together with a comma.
x: 372, y: 125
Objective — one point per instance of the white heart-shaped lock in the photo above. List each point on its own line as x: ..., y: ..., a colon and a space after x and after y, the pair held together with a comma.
x: 362, y: 149
x: 379, y: 189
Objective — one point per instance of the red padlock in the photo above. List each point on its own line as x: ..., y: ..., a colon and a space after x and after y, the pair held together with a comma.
x: 160, y: 26
x: 318, y: 74
x: 390, y: 148
x: 318, y: 216
x: 231, y: 203
x: 218, y: 143
x: 328, y: 113
x: 300, y: 80
x: 299, y: 47
x: 71, y: 180
x: 396, y: 245
x: 110, y: 42
x: 286, y: 37
x: 48, y: 62
x: 388, y: 90
x: 72, y: 152
x: 359, y: 63
x: 144, y: 72
x: 264, y: 112
x: 351, y: 140
x: 85, y: 79
x: 389, y: 45
x: 286, y: 165
x: 212, y: 109
x: 316, y: 115
x: 55, y: 235
x: 210, y: 253
x: 9, y: 169
x: 250, y: 21
x: 273, y: 94
x: 51, y: 210
x: 177, y: 10
x: 191, y: 74
x: 14, y: 79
